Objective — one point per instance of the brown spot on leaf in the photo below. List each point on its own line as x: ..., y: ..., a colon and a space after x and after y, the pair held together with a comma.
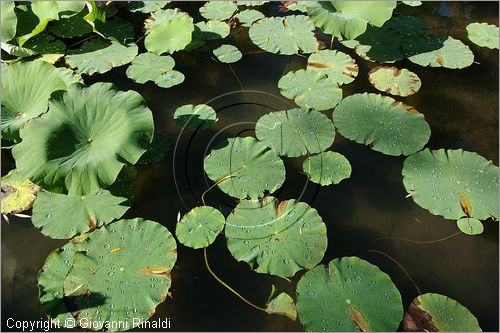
x: 285, y: 23
x: 439, y: 59
x: 20, y: 115
x: 352, y: 71
x: 358, y: 319
x: 281, y: 207
x: 465, y: 204
x: 116, y: 249
x: 92, y: 224
x: 418, y: 320
x: 155, y: 271
x: 318, y: 65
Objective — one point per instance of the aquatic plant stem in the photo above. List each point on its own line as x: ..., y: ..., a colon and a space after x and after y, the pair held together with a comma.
x: 212, y: 186
x: 419, y: 242
x: 227, y: 286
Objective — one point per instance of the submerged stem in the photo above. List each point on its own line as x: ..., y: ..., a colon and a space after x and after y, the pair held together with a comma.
x: 419, y: 242
x: 212, y: 186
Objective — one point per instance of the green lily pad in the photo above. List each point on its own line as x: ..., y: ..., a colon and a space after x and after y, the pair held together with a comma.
x: 227, y: 53
x: 394, y: 81
x: 438, y: 313
x: 300, y: 6
x: 295, y: 132
x: 45, y: 44
x: 384, y: 124
x: 156, y: 152
x: 251, y: 3
x: 407, y: 25
x: 193, y: 116
x: 452, y: 183
x: 8, y: 19
x: 117, y: 30
x: 249, y: 16
x: 483, y: 34
x: 213, y: 29
x: 168, y: 30
x: 123, y: 274
x: 470, y: 226
x: 281, y: 304
x: 63, y: 216
x: 412, y: 3
x: 338, y: 66
x: 18, y: 193
x: 151, y: 67
x: 199, y: 227
x: 71, y: 27
x: 327, y: 168
x: 278, y: 238
x: 347, y: 18
x: 453, y: 54
x: 77, y: 145
x: 284, y: 35
x: 310, y: 89
x: 146, y: 7
x: 218, y: 10
x: 349, y: 294
x: 245, y: 168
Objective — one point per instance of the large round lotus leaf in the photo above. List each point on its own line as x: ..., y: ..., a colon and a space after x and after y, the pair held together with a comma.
x: 295, y: 132
x: 227, y: 53
x: 349, y: 19
x: 249, y: 16
x: 483, y: 34
x: 348, y: 295
x: 8, y: 19
x: 310, y: 89
x: 327, y: 168
x: 24, y: 99
x: 199, y: 227
x: 452, y: 183
x: 85, y: 138
x: 338, y: 66
x: 394, y: 81
x: 193, y: 116
x: 74, y: 26
x: 438, y: 313
x: 63, y: 216
x: 388, y: 126
x: 453, y: 54
x: 156, y: 151
x: 18, y: 193
x: 277, y: 238
x: 151, y: 67
x: 123, y: 274
x: 218, y: 10
x: 470, y: 226
x: 285, y: 35
x: 100, y: 56
x: 148, y: 6
x: 245, y: 168
x: 168, y: 31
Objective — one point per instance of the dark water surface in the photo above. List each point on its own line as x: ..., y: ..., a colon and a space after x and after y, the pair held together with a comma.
x: 461, y: 107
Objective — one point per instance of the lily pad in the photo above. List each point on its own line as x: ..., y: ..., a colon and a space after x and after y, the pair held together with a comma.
x: 453, y: 54
x: 282, y: 304
x: 18, y: 193
x: 412, y: 3
x: 249, y: 16
x: 348, y: 295
x: 227, y: 53
x: 295, y: 132
x: 284, y: 35
x: 327, y: 168
x: 278, y: 238
x: 168, y: 30
x: 199, y: 227
x: 453, y: 183
x: 483, y: 34
x: 384, y: 124
x: 438, y: 313
x: 63, y: 216
x: 245, y: 168
x: 213, y: 29
x: 124, y: 258
x: 78, y: 146
x: 394, y: 81
x: 338, y: 66
x: 117, y: 30
x: 151, y: 67
x: 156, y: 151
x: 193, y: 116
x: 251, y: 3
x: 146, y: 7
x: 8, y: 19
x: 470, y: 226
x: 71, y: 27
x: 310, y: 89
x: 218, y: 10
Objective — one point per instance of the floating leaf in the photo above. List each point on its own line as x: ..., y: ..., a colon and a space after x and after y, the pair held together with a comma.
x: 300, y: 6
x: 148, y: 6
x: 327, y: 168
x: 452, y: 183
x: 125, y: 269
x: 245, y: 168
x: 199, y: 227
x: 310, y: 89
x: 295, y: 132
x: 454, y: 54
x: 156, y: 151
x: 412, y: 3
x: 193, y: 116
x: 18, y: 193
x: 168, y: 30
x: 249, y: 16
x: 438, y: 313
x: 227, y: 53
x: 278, y: 238
x: 78, y: 145
x: 338, y: 66
x: 394, y: 81
x: 213, y: 29
x: 282, y: 304
x: 151, y: 67
x: 470, y: 226
x: 70, y: 27
x: 218, y: 10
x: 483, y: 34
x: 349, y: 294
x: 116, y: 30
x: 284, y: 35
x: 384, y: 124
x: 251, y: 3
x: 8, y: 19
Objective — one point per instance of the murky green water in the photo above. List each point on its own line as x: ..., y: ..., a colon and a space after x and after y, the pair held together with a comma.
x: 461, y: 107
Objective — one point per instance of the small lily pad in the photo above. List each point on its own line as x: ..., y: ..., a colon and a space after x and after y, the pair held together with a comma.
x: 338, y: 66
x: 327, y: 168
x: 146, y: 7
x: 151, y: 67
x: 282, y: 304
x: 199, y: 227
x: 483, y: 34
x: 249, y: 16
x: 251, y: 3
x: 193, y: 116
x: 168, y: 30
x: 213, y: 29
x: 218, y: 10
x: 394, y: 81
x: 470, y: 226
x: 453, y: 54
x: 18, y: 193
x: 412, y: 3
x: 227, y: 53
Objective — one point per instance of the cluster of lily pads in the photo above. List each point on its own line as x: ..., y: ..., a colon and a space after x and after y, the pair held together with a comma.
x: 75, y: 156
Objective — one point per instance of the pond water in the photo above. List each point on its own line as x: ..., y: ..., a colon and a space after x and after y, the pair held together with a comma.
x: 461, y: 107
